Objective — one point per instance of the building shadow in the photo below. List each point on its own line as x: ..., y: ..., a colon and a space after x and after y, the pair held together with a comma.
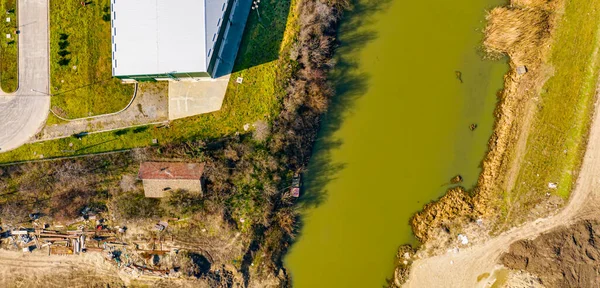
x: 263, y: 35
x: 350, y: 84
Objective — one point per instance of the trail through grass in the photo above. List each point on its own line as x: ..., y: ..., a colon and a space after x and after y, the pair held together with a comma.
x: 556, y: 143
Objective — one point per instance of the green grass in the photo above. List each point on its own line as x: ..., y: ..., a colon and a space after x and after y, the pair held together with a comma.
x: 265, y: 67
x: 80, y: 60
x: 9, y: 57
x: 556, y: 142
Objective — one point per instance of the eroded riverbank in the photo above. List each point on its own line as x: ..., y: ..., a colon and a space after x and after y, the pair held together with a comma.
x: 538, y: 143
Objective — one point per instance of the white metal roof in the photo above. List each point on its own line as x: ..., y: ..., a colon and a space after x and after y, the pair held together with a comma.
x: 164, y: 36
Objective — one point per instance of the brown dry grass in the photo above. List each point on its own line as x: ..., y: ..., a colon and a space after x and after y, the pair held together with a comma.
x: 523, y: 31
x: 518, y: 32
x: 542, y: 115
x: 545, y: 4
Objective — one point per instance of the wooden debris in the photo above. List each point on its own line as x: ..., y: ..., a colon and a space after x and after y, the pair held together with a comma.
x: 93, y: 249
x: 60, y: 250
x: 58, y: 235
x: 37, y: 243
x: 154, y: 252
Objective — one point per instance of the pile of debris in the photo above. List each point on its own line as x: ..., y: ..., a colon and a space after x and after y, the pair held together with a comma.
x: 58, y: 243
x: 152, y: 256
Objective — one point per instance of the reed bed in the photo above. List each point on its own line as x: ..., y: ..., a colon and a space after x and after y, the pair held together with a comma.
x: 518, y: 32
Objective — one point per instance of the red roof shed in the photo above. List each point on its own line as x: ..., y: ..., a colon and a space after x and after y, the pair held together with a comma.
x: 170, y: 170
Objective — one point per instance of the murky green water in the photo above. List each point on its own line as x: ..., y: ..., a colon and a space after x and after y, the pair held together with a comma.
x: 397, y: 131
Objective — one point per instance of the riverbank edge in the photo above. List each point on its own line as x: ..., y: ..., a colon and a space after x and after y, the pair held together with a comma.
x: 308, y: 94
x: 510, y: 126
x: 512, y: 118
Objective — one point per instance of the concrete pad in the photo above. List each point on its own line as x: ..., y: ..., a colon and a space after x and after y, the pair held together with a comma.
x: 205, y: 95
x: 189, y: 98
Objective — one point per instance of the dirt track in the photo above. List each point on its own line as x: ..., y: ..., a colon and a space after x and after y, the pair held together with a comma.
x: 40, y: 270
x: 463, y: 268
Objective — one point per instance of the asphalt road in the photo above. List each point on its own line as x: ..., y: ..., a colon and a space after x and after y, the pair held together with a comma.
x: 23, y: 113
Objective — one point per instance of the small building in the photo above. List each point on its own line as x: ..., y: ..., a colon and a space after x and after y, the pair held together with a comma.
x: 161, y: 178
x: 167, y: 39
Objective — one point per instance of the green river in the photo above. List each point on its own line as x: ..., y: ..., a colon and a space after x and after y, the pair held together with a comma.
x: 396, y: 132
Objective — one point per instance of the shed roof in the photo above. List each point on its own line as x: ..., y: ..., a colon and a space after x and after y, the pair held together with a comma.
x: 164, y: 36
x: 170, y: 170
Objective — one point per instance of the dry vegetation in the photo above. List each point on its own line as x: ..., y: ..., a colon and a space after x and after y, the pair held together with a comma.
x: 518, y: 32
x: 559, y: 103
x: 436, y: 214
x: 529, y: 26
x: 308, y: 92
x: 247, y: 176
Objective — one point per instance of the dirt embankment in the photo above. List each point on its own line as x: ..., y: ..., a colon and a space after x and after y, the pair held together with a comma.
x: 523, y: 31
x: 455, y: 204
x: 564, y: 257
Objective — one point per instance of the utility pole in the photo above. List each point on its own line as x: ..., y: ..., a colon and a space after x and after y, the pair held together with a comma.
x: 33, y: 90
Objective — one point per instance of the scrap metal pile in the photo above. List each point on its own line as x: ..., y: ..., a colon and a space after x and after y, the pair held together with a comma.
x: 149, y: 257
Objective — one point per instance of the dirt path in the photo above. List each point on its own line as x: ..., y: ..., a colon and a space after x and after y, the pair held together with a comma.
x: 149, y: 106
x: 40, y: 270
x: 461, y: 269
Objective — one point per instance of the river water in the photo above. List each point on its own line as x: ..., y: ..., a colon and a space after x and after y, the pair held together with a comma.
x: 397, y: 131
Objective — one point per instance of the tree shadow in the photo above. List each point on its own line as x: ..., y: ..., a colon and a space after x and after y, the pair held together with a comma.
x: 248, y: 258
x: 350, y: 84
x: 201, y: 263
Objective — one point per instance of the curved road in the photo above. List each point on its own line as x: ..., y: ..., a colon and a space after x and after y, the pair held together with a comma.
x: 23, y: 113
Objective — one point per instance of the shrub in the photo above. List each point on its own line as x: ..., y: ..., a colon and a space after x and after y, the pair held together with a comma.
x: 136, y: 206
x: 181, y: 202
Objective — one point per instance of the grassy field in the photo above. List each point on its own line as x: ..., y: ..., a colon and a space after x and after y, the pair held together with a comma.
x: 9, y: 62
x: 264, y: 66
x: 80, y: 60
x: 556, y: 142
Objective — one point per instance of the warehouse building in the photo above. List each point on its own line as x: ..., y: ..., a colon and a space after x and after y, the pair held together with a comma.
x: 167, y: 39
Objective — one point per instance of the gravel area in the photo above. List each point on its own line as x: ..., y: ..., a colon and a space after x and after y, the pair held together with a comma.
x: 149, y: 106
